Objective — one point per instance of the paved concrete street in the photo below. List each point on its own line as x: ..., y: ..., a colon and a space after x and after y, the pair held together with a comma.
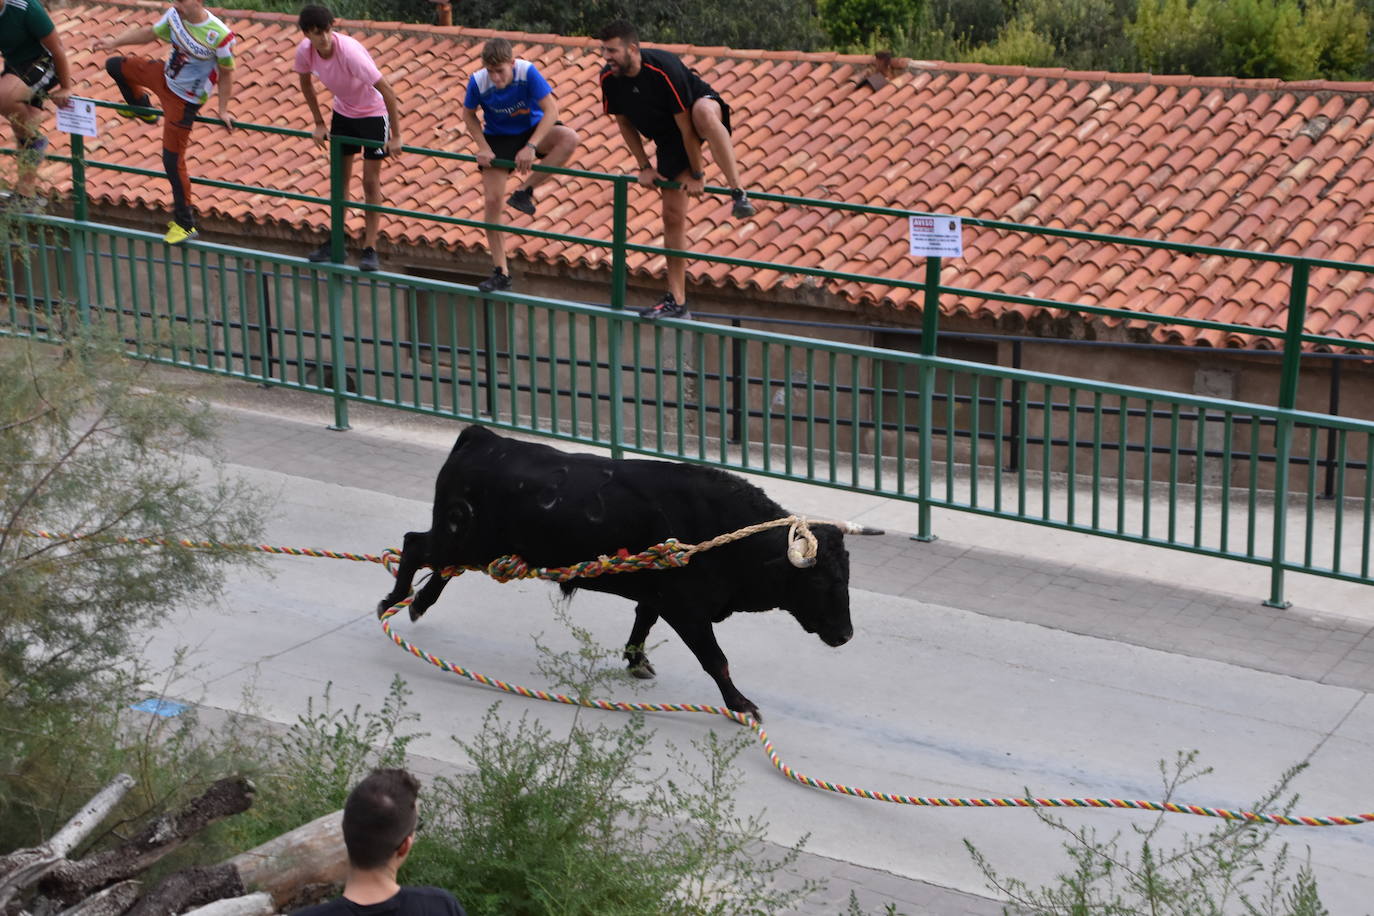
x: 999, y: 659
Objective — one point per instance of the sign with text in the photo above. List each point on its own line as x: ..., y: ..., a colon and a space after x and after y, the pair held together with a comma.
x: 936, y: 236
x: 77, y: 117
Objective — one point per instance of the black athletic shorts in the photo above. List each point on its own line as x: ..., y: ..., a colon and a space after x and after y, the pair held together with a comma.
x: 672, y: 154
x: 505, y: 146
x: 39, y: 74
x: 373, y: 128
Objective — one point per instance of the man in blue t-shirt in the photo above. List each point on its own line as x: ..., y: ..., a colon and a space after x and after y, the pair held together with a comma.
x: 521, y: 123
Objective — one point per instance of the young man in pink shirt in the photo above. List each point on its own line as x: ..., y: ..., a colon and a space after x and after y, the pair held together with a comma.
x: 364, y: 108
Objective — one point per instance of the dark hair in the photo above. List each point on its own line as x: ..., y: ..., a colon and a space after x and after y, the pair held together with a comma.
x: 619, y: 29
x: 497, y: 51
x: 315, y: 18
x: 378, y: 816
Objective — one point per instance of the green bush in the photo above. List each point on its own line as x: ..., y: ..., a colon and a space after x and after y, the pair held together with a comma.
x: 1017, y: 44
x: 92, y: 447
x: 1341, y: 32
x: 851, y: 23
x: 1173, y: 36
x: 1231, y: 869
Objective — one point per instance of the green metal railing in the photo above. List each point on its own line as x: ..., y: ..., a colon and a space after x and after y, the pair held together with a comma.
x: 1220, y: 478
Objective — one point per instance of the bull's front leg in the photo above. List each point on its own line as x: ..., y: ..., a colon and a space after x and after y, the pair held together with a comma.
x: 695, y: 630
x: 414, y: 553
x: 636, y: 660
x: 429, y: 593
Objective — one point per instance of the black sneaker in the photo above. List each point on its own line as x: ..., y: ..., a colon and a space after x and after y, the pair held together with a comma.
x: 369, y: 260
x: 667, y: 307
x: 498, y: 282
x: 522, y: 200
x: 741, y: 208
x: 319, y: 255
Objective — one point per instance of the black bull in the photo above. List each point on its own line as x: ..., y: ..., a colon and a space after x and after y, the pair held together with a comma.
x: 498, y: 496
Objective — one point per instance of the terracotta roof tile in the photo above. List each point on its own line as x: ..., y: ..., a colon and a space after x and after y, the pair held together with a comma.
x: 1234, y: 163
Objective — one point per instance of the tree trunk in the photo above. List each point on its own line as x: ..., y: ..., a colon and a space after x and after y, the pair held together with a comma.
x: 187, y: 889
x: 259, y: 904
x: 112, y: 901
x: 67, y: 882
x: 25, y: 866
x: 313, y: 853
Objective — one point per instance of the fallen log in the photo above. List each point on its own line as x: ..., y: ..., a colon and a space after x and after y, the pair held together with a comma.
x: 112, y: 901
x: 68, y: 882
x: 259, y: 904
x: 23, y: 867
x: 312, y: 854
x: 189, y: 888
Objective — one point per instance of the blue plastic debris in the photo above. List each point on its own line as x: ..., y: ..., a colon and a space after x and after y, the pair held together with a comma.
x: 160, y: 707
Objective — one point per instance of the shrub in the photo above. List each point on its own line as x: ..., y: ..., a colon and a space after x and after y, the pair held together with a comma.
x: 1222, y: 871
x: 855, y: 23
x: 1017, y: 44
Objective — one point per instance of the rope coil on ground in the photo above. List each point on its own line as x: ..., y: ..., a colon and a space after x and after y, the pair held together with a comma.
x: 672, y: 553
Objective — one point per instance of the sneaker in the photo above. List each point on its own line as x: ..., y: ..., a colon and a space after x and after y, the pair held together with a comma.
x: 667, y: 307
x: 177, y: 233
x: 144, y: 102
x: 741, y: 208
x: 320, y: 255
x: 522, y: 200
x: 369, y: 260
x: 35, y: 153
x: 498, y: 282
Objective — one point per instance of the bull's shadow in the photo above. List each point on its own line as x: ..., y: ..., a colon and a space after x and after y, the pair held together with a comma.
x: 497, y: 496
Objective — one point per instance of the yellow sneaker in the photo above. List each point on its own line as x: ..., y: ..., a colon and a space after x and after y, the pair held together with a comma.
x: 177, y: 233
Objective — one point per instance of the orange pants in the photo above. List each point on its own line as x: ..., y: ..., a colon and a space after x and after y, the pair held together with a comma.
x: 136, y: 77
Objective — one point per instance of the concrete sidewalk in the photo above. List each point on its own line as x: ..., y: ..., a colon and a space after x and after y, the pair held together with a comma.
x: 1094, y: 586
x: 1158, y: 599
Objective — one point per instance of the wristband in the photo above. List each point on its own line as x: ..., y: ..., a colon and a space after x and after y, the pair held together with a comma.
x: 533, y: 147
x: 697, y: 176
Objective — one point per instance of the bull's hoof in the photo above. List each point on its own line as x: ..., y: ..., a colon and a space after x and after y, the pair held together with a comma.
x: 389, y: 602
x: 745, y: 706
x: 642, y: 670
x: 417, y: 612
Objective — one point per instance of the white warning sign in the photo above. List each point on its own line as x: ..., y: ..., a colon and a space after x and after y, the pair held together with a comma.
x: 77, y: 116
x: 936, y: 236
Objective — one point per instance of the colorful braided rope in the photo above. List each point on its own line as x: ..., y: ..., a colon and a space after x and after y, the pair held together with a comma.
x: 668, y: 554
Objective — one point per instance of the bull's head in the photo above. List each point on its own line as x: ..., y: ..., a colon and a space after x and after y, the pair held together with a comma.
x: 818, y: 595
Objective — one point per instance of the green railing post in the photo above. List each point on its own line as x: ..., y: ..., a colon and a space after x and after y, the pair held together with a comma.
x: 1283, y: 429
x: 334, y: 285
x: 80, y: 212
x: 620, y: 221
x: 930, y: 329
x: 80, y: 204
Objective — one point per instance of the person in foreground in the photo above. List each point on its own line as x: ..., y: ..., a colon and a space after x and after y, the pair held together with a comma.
x: 380, y: 819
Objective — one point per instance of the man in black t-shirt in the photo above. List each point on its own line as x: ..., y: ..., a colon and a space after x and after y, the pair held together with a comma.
x: 651, y: 92
x: 379, y: 823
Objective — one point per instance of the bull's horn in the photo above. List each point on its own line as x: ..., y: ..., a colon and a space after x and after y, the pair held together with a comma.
x: 856, y: 528
x: 796, y: 555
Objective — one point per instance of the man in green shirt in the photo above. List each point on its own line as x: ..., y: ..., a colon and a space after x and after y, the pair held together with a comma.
x: 35, y: 69
x: 201, y: 58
